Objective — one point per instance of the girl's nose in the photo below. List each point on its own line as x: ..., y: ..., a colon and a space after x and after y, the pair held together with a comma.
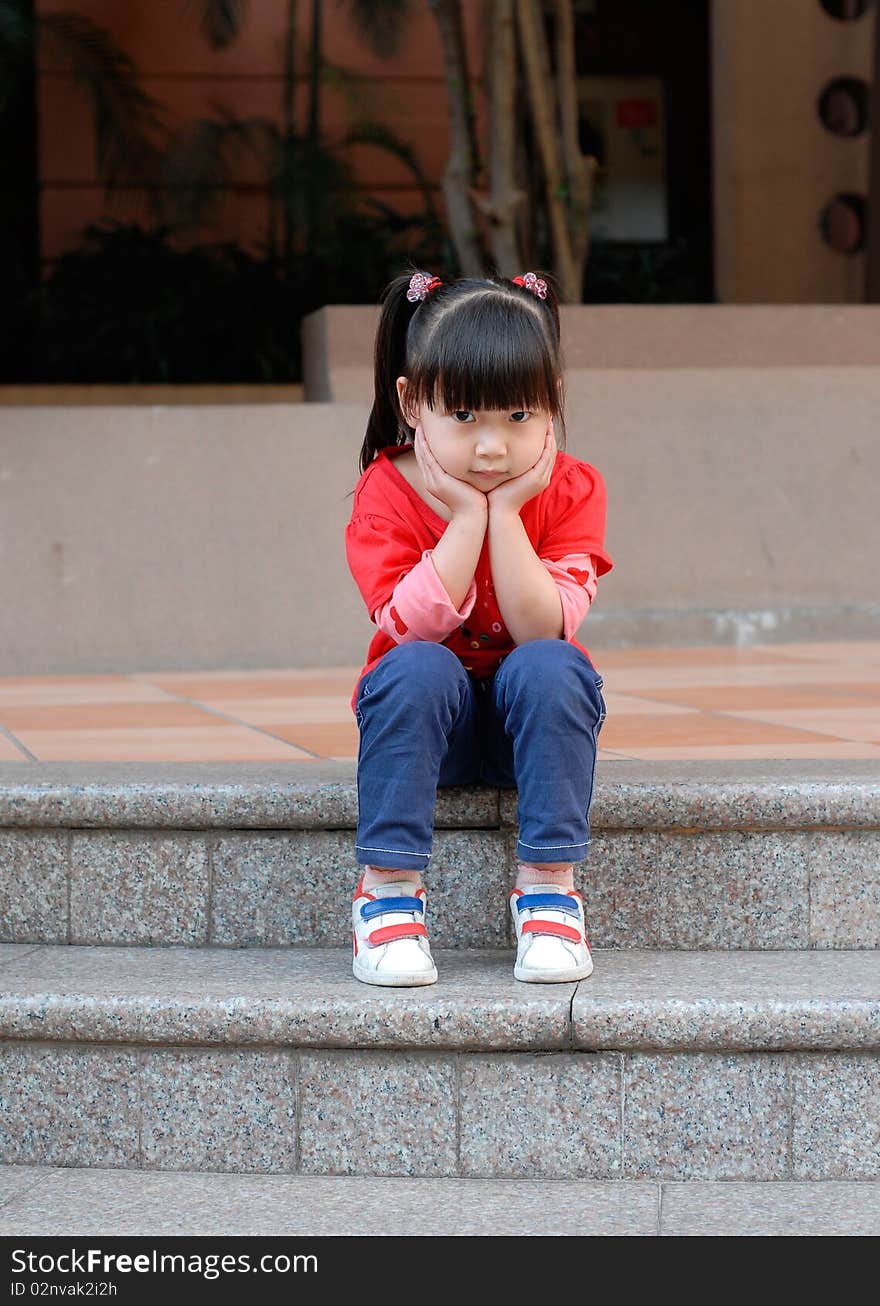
x: 491, y: 445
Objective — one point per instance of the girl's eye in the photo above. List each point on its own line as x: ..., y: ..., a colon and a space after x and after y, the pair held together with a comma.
x: 461, y: 415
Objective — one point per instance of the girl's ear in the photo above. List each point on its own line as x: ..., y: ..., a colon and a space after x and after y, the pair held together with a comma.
x: 408, y: 415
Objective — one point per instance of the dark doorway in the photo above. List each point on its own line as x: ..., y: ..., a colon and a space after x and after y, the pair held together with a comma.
x: 670, y: 43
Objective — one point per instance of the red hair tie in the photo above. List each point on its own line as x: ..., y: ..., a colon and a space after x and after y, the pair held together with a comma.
x: 533, y: 283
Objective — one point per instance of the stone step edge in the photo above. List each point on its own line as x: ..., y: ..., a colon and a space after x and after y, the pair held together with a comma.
x: 320, y: 796
x: 306, y: 997
x: 89, y: 1201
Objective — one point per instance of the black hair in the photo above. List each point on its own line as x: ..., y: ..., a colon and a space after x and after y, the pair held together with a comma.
x: 470, y: 344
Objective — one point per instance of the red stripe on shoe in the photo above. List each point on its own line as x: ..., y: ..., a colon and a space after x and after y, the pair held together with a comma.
x: 409, y: 930
x: 553, y: 927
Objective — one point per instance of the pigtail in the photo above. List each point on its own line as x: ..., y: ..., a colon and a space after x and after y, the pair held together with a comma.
x: 550, y: 303
x: 385, y: 425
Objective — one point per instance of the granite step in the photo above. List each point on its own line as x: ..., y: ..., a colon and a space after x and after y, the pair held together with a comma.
x: 740, y: 1066
x: 78, y: 1202
x: 689, y: 856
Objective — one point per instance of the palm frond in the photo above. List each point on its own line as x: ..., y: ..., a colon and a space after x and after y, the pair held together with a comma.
x: 220, y: 20
x: 129, y: 124
x: 357, y: 89
x: 196, y: 171
x: 380, y: 24
x: 201, y: 163
x: 383, y: 137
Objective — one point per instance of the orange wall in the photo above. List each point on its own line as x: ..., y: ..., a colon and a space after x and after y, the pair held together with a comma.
x: 180, y: 69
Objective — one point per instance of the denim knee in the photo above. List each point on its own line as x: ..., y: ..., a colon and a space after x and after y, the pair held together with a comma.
x: 539, y: 663
x: 415, y: 672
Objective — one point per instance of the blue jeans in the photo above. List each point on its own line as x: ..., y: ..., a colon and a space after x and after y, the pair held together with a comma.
x: 424, y: 721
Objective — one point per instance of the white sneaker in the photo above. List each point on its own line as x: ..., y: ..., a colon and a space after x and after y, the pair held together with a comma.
x: 389, y: 936
x: 551, y: 937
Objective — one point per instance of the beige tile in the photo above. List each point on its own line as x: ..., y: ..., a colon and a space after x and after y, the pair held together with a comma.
x: 304, y: 710
x: 103, y: 716
x: 256, y: 684
x: 750, y: 699
x: 630, y: 705
x: 39, y: 692
x: 641, y: 679
x: 745, y: 752
x: 172, y: 744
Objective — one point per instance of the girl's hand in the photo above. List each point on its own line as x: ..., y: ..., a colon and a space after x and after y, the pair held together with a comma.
x: 510, y: 496
x: 458, y: 496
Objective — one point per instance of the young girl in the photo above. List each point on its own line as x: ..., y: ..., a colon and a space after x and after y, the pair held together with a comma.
x: 476, y: 547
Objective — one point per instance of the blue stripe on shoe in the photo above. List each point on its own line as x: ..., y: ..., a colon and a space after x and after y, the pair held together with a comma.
x: 548, y: 901
x: 381, y: 905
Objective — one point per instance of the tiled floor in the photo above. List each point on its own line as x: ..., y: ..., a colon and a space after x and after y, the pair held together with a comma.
x: 777, y: 701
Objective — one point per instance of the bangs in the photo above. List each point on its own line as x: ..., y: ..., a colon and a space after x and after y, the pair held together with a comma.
x: 492, y: 352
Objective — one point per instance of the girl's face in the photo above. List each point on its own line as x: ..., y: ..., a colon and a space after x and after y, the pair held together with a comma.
x: 468, y: 442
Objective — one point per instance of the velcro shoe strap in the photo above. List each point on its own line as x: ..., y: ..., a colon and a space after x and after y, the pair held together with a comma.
x: 553, y: 927
x: 388, y: 933
x: 549, y: 901
x: 379, y: 906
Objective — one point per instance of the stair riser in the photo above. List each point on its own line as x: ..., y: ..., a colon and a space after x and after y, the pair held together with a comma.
x: 604, y: 1115
x: 649, y: 888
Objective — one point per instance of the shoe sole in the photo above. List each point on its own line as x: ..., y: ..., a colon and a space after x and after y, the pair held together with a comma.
x: 531, y: 976
x: 394, y: 979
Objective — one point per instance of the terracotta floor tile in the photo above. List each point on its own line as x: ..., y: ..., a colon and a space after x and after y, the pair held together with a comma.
x: 627, y: 733
x: 333, y: 740
x: 854, y: 650
x: 192, y: 744
x: 694, y: 656
x: 845, y: 723
x: 9, y: 751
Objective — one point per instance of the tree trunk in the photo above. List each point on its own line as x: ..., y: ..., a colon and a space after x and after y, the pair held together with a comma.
x: 461, y: 170
x: 287, y: 220
x: 500, y: 206
x: 313, y: 126
x: 536, y: 61
x: 580, y: 168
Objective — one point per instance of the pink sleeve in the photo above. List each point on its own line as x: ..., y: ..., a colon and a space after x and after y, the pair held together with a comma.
x: 420, y: 607
x: 575, y: 577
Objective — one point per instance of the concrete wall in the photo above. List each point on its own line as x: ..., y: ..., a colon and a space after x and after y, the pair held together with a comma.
x: 338, y: 340
x: 742, y: 507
